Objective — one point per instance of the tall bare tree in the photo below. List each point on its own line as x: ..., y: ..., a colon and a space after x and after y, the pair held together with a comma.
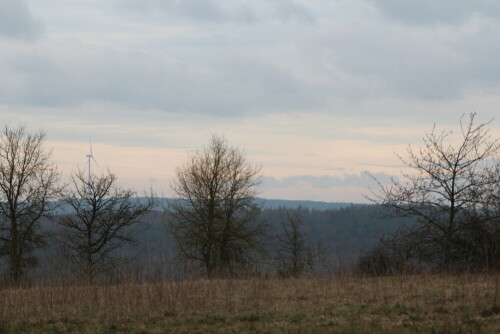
x: 294, y: 254
x: 444, y: 186
x: 102, y: 218
x: 28, y: 190
x: 214, y: 216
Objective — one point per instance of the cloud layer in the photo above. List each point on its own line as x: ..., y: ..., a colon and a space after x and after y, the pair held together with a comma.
x: 437, y: 12
x: 363, y: 180
x: 17, y: 22
x: 241, y: 59
x: 307, y: 86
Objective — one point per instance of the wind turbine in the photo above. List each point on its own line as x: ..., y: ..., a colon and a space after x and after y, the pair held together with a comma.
x: 90, y: 157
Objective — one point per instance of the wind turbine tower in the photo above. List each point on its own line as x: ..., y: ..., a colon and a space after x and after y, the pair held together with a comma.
x: 90, y: 157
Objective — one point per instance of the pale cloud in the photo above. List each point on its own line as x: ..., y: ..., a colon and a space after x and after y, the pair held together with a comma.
x: 362, y: 180
x: 381, y: 165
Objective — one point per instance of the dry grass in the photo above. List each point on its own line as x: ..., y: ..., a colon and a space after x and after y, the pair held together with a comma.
x: 422, y: 304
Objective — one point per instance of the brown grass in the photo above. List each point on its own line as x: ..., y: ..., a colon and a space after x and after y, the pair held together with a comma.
x: 416, y: 304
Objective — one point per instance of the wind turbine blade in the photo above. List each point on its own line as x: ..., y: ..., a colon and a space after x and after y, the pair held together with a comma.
x: 90, y: 145
x: 95, y: 161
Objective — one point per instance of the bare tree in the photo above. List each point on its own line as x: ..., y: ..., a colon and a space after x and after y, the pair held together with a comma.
x: 480, y: 237
x: 214, y: 216
x: 443, y: 187
x: 102, y: 218
x: 294, y: 254
x: 28, y: 190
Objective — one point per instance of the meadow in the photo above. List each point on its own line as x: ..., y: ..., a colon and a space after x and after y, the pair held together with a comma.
x: 466, y: 303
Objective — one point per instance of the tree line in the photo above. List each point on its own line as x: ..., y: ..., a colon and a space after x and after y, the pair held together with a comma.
x: 214, y: 220
x: 450, y: 192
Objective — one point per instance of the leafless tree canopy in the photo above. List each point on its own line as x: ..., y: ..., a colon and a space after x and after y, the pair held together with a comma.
x: 213, y: 219
x: 28, y: 189
x: 294, y: 254
x: 448, y: 185
x: 102, y: 218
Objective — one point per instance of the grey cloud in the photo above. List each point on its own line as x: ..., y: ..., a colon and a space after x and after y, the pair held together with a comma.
x: 201, y: 10
x: 231, y: 87
x: 289, y: 10
x: 363, y: 180
x: 437, y: 12
x: 374, y: 60
x: 349, y: 62
x: 16, y: 21
x: 218, y: 11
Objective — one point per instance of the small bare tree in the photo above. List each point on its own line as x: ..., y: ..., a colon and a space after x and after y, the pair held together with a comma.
x: 28, y: 190
x: 444, y: 188
x: 214, y: 216
x: 102, y: 218
x: 294, y: 254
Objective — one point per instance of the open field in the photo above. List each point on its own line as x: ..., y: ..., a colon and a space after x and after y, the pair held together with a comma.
x: 421, y: 304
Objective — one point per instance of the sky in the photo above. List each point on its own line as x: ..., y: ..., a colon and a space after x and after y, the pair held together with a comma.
x: 318, y: 93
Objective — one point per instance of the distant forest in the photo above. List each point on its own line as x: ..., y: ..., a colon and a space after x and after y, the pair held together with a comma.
x: 341, y: 232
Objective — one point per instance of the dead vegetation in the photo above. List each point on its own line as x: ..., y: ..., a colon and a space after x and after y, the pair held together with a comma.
x: 423, y: 304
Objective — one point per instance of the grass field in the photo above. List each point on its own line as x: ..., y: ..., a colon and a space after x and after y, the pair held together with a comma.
x: 413, y: 304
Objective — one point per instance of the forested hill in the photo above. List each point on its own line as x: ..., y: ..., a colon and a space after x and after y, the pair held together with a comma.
x: 293, y: 204
x: 162, y: 203
x: 344, y: 233
x: 279, y: 203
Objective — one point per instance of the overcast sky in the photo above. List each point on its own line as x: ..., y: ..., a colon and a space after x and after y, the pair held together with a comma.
x: 316, y: 92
